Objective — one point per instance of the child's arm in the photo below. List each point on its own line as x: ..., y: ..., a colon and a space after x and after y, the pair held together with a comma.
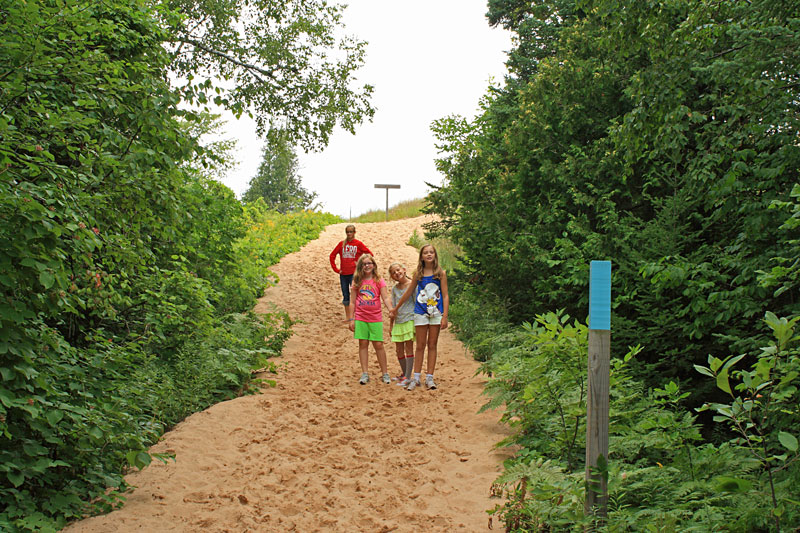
x: 351, y: 309
x: 406, y: 295
x: 445, y: 300
x: 332, y: 257
x: 387, y: 301
x: 394, y: 303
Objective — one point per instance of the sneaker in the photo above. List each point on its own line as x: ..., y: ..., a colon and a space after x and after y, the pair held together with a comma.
x: 430, y: 383
x: 412, y: 384
x: 403, y: 382
x: 386, y: 379
x: 364, y: 378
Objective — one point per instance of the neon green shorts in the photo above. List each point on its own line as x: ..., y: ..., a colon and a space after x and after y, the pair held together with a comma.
x: 371, y: 331
x: 403, y: 332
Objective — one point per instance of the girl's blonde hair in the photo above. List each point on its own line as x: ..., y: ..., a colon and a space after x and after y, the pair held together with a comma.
x: 398, y: 265
x: 359, y: 276
x: 437, y: 270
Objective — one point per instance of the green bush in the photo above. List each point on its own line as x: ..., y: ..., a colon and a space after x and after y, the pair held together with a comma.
x: 480, y: 319
x: 662, y: 475
x: 271, y: 235
x: 118, y: 398
x: 126, y: 270
x: 660, y: 136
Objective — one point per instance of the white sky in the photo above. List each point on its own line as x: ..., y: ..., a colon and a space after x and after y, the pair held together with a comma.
x: 426, y: 59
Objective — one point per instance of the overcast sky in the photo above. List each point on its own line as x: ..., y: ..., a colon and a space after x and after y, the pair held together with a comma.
x: 426, y: 59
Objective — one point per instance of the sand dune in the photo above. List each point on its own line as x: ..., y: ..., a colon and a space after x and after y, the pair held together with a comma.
x: 319, y: 452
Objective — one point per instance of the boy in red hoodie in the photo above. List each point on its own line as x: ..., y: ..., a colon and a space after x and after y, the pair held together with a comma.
x: 349, y: 251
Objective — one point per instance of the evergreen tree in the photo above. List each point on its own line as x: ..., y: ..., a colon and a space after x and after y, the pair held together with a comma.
x: 277, y: 181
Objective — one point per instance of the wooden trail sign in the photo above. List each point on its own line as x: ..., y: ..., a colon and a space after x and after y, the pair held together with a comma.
x: 598, y: 382
x: 387, y: 187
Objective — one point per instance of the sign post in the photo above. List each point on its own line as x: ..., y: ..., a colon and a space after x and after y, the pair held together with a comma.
x: 387, y: 187
x: 598, y: 383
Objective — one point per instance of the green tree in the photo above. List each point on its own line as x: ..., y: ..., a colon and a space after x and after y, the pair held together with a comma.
x: 277, y: 181
x: 117, y: 249
x: 656, y: 135
x: 278, y: 60
x: 662, y: 136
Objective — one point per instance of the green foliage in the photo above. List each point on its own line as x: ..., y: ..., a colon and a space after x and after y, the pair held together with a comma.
x: 407, y: 209
x: 281, y: 61
x: 117, y: 398
x: 271, y: 235
x: 540, y: 379
x: 213, y: 227
x: 763, y: 408
x: 660, y: 136
x: 486, y: 314
x: 125, y: 267
x: 449, y: 252
x: 662, y: 476
x: 276, y: 181
x: 785, y: 274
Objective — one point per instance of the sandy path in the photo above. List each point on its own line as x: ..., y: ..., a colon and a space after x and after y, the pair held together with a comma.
x: 320, y: 452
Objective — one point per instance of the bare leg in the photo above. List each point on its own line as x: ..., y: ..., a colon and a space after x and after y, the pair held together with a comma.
x: 363, y: 354
x: 419, y: 353
x: 381, y: 353
x: 401, y: 355
x: 409, y: 348
x: 433, y: 341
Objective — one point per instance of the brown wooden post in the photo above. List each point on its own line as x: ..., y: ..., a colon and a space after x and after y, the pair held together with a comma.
x: 597, y: 423
x: 598, y: 384
x: 387, y: 187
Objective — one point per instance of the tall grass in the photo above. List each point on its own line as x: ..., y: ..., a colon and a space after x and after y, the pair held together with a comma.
x: 447, y: 250
x: 407, y: 209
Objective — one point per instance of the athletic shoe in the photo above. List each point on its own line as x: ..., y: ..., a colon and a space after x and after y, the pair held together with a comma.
x: 403, y: 382
x: 364, y: 378
x: 412, y: 384
x: 430, y: 383
x: 386, y: 379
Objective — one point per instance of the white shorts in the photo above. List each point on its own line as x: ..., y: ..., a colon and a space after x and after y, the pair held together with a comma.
x: 425, y: 320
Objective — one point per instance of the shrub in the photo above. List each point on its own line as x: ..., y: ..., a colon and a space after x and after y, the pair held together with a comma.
x: 662, y: 475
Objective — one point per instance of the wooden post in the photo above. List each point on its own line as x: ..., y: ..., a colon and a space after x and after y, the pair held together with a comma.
x: 598, y: 382
x: 387, y: 187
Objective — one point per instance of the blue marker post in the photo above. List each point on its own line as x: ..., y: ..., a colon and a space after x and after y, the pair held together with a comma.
x: 597, y: 389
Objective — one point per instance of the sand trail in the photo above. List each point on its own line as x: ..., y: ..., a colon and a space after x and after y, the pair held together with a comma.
x: 319, y: 452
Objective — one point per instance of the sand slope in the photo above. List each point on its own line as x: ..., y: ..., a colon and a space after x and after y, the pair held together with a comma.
x: 320, y: 452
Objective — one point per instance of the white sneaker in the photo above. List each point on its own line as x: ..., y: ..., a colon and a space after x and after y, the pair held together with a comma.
x: 364, y: 378
x: 412, y: 384
x: 386, y: 379
x: 430, y: 383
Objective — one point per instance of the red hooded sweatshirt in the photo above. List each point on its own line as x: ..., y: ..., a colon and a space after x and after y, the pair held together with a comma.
x: 349, y: 252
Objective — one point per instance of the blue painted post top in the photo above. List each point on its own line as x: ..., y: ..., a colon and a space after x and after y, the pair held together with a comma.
x: 600, y: 295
